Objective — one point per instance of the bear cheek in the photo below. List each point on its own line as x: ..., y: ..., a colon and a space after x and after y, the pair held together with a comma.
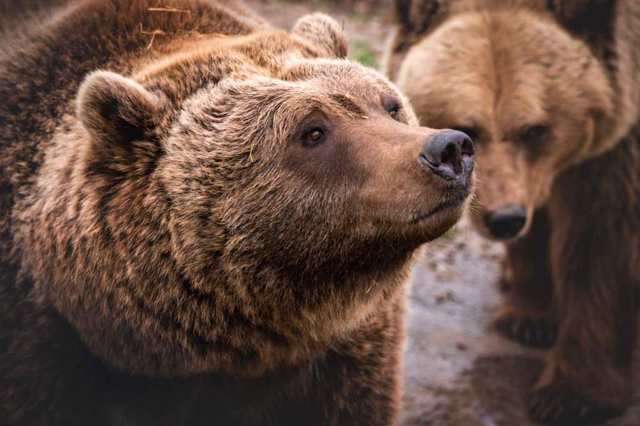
x: 330, y: 166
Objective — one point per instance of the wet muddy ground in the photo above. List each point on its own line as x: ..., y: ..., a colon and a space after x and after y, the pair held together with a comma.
x: 458, y: 371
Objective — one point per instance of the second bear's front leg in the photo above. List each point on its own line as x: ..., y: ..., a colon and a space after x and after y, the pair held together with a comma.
x: 595, y: 247
x: 527, y: 313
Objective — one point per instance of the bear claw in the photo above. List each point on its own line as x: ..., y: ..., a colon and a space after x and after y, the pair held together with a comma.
x: 534, y: 331
x: 556, y: 406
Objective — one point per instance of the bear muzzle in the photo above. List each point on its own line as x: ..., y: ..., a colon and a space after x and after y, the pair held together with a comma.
x: 506, y: 222
x: 449, y: 154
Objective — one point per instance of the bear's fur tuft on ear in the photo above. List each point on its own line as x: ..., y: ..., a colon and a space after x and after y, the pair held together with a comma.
x: 324, y: 33
x: 115, y: 107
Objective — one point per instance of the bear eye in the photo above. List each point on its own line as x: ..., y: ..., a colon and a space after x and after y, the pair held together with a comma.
x: 313, y: 137
x: 534, y: 135
x: 393, y: 108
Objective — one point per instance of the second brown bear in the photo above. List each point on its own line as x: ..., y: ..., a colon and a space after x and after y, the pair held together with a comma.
x: 550, y: 91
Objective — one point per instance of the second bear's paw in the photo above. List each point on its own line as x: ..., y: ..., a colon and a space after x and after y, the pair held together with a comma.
x: 556, y: 405
x: 537, y: 331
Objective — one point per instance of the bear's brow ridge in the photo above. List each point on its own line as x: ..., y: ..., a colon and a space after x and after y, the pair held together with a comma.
x: 346, y: 103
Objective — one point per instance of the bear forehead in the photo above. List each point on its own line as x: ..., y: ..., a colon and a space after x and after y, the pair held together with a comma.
x: 312, y: 80
x: 480, y: 66
x: 338, y: 74
x: 523, y: 28
x: 183, y: 76
x: 311, y: 83
x: 261, y: 101
x: 480, y: 47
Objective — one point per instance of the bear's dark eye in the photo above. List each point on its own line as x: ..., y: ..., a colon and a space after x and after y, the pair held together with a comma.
x: 534, y: 135
x: 313, y: 137
x: 393, y: 108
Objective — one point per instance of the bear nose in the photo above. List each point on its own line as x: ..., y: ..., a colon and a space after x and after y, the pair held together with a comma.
x: 449, y: 154
x: 506, y: 221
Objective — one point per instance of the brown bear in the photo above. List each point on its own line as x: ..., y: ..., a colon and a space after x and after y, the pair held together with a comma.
x: 205, y: 220
x: 550, y: 91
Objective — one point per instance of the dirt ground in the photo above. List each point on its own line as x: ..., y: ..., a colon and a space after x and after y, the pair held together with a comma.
x: 458, y: 372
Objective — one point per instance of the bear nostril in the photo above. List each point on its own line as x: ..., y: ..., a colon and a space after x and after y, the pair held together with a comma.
x: 507, y: 221
x: 452, y: 155
x: 467, y: 147
x: 449, y: 154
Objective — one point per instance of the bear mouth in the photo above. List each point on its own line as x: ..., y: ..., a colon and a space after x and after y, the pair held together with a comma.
x: 452, y: 203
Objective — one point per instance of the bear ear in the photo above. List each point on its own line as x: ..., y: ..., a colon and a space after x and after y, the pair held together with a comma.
x: 415, y: 17
x: 324, y: 33
x: 113, y: 107
x: 592, y: 20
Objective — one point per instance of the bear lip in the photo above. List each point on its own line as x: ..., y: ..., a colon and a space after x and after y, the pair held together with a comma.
x: 454, y: 202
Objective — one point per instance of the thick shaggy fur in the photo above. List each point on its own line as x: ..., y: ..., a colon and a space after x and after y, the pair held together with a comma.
x: 569, y: 70
x: 175, y: 249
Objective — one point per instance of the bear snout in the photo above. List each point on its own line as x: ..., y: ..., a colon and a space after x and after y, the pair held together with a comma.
x: 449, y: 155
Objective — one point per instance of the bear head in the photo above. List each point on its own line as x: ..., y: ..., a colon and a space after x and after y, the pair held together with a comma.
x: 237, y: 203
x: 539, y: 85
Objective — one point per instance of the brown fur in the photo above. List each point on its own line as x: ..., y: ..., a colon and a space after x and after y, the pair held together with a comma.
x: 496, y: 68
x: 171, y: 253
